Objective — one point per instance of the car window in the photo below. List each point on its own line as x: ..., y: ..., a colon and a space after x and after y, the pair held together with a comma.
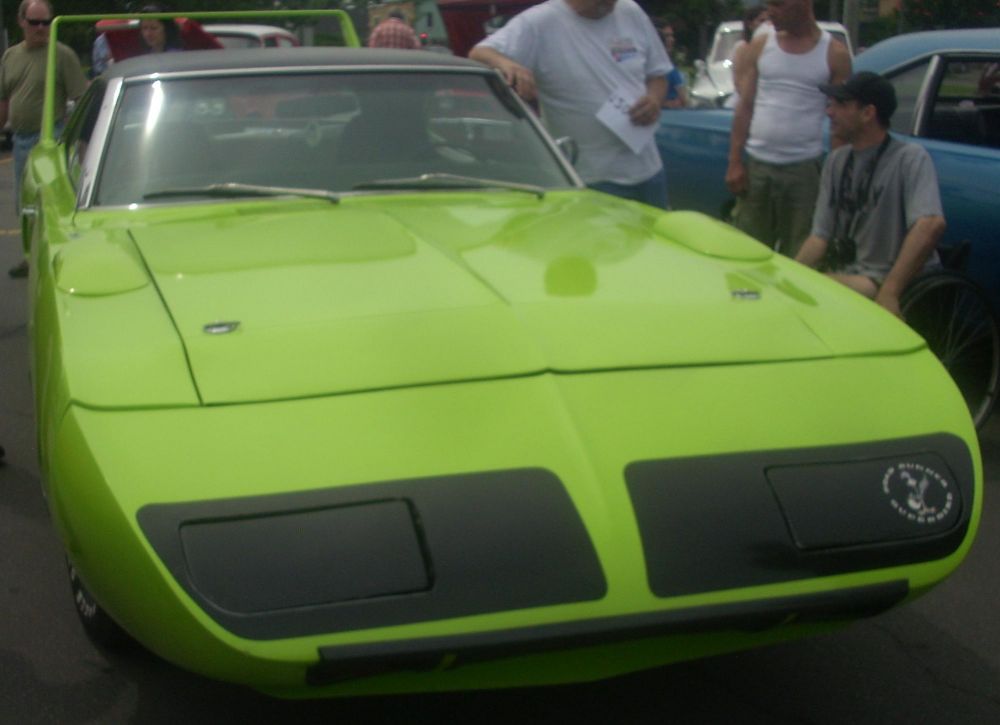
x: 270, y: 42
x: 725, y: 44
x: 331, y: 131
x: 237, y: 41
x: 908, y: 84
x: 966, y: 105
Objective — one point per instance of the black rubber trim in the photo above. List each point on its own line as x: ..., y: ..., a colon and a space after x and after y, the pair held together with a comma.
x: 340, y: 663
x: 716, y: 522
x: 468, y: 544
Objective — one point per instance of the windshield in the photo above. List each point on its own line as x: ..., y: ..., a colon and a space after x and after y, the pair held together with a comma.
x: 725, y: 44
x: 236, y: 41
x: 334, y: 132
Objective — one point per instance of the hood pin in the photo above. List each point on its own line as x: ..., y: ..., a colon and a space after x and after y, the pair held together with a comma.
x: 220, y: 328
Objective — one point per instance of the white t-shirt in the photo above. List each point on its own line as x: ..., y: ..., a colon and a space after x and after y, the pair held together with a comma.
x: 578, y: 63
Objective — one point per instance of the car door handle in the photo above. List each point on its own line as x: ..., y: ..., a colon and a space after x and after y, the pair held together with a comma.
x: 28, y: 212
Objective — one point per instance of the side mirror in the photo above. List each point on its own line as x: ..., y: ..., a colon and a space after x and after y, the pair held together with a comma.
x: 569, y: 148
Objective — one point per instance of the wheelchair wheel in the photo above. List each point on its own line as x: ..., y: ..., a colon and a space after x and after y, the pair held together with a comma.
x: 956, y: 319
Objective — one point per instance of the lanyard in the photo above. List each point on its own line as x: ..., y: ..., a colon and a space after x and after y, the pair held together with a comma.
x: 848, y: 202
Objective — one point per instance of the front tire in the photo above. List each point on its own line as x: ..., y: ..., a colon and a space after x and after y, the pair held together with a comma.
x: 100, y: 628
x: 956, y: 319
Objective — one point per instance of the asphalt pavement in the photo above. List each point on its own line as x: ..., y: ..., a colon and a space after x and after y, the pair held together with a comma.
x: 936, y: 660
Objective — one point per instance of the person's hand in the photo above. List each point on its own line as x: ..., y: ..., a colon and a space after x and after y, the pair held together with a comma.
x: 521, y: 79
x: 645, y: 111
x: 736, y: 178
x: 889, y: 301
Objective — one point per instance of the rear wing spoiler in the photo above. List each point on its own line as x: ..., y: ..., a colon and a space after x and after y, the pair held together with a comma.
x: 47, y: 138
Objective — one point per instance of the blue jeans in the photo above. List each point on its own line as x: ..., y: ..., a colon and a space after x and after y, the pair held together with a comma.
x: 23, y: 143
x: 652, y: 191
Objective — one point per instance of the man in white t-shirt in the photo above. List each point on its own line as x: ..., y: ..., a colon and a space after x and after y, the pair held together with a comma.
x: 573, y: 56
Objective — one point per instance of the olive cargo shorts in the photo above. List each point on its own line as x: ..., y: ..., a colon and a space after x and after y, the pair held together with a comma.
x: 777, y: 208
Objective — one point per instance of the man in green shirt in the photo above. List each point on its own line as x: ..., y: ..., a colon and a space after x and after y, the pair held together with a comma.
x: 22, y: 87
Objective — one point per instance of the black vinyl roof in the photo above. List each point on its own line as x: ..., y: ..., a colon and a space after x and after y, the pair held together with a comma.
x: 265, y: 58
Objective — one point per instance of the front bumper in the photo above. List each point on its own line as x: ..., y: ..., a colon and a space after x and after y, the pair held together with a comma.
x: 432, y: 654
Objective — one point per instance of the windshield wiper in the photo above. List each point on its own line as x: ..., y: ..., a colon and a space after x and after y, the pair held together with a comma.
x: 449, y: 181
x: 232, y: 188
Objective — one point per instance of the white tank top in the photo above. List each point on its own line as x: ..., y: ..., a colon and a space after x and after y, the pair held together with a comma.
x: 789, y: 109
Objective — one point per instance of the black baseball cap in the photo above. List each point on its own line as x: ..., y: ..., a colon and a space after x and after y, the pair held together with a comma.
x: 866, y: 88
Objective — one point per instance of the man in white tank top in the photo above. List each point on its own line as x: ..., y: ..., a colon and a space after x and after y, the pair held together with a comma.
x: 776, y: 146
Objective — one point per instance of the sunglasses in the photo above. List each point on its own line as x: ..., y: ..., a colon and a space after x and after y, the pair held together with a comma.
x: 37, y: 22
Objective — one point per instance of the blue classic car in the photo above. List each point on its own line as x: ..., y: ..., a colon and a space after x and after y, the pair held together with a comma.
x: 948, y: 87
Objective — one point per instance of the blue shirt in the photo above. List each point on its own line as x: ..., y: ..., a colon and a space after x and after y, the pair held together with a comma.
x: 675, y: 79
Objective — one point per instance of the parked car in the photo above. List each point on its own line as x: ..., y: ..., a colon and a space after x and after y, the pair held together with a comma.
x: 245, y: 35
x: 345, y: 384
x: 713, y: 82
x: 949, y: 102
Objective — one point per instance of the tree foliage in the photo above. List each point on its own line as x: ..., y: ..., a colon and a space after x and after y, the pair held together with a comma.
x: 934, y: 14
x: 694, y: 21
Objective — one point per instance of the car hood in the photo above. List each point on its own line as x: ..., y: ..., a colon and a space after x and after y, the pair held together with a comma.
x: 295, y: 299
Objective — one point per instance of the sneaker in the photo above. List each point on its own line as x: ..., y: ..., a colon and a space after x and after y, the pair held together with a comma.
x: 19, y: 270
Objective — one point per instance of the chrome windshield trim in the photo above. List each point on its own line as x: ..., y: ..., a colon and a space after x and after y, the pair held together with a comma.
x: 922, y: 106
x: 98, y: 141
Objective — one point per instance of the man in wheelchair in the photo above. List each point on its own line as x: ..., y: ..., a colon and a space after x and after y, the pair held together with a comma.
x: 878, y: 216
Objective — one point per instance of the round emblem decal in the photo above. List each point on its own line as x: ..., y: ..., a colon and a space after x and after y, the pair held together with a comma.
x: 918, y: 493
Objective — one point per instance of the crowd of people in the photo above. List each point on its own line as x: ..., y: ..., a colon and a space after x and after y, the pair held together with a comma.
x: 600, y: 71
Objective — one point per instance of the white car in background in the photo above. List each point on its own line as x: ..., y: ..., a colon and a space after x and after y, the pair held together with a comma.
x: 239, y: 35
x: 713, y: 81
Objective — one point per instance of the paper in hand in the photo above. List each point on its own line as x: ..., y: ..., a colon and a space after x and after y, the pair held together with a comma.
x: 614, y: 115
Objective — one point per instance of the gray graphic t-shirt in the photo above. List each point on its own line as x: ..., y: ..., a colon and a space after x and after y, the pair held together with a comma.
x: 887, y: 202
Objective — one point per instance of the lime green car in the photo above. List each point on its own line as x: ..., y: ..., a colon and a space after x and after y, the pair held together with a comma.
x: 346, y: 384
